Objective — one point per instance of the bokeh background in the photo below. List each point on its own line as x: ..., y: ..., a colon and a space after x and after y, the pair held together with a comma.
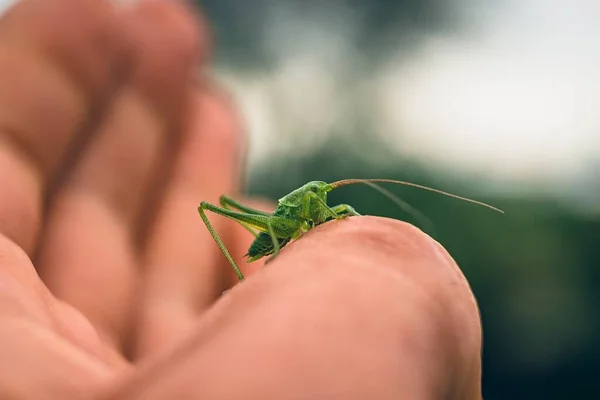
x: 495, y: 99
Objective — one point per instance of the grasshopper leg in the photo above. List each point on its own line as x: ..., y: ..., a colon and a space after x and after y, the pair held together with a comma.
x: 312, y: 197
x: 230, y: 204
x: 273, y: 238
x: 275, y: 226
x: 344, y: 210
x: 220, y: 243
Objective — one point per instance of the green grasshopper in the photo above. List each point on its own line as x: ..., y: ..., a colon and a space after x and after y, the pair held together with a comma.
x: 296, y: 213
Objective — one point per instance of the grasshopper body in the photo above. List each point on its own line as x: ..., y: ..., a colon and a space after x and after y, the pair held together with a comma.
x: 296, y: 213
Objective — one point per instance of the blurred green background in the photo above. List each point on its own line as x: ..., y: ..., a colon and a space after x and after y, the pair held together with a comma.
x: 496, y: 99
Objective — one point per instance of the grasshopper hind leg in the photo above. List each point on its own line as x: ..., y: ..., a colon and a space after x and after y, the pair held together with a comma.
x: 213, y: 233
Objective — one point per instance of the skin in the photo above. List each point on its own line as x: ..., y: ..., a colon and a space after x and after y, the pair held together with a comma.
x: 109, y: 282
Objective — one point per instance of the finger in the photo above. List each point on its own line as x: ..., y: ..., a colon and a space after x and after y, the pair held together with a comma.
x: 184, y: 269
x: 359, y: 308
x: 89, y: 256
x: 57, y: 63
x: 37, y: 331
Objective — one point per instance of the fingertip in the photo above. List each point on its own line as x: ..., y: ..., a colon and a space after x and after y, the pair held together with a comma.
x: 367, y: 262
x: 411, y: 255
x: 186, y: 22
x: 171, y: 41
x: 394, y: 248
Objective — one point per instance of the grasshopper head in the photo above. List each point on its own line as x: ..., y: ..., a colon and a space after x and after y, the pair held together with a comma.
x: 320, y: 188
x: 294, y: 199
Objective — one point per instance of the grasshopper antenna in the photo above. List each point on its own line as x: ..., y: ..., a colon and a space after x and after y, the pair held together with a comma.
x: 345, y: 182
x: 421, y: 218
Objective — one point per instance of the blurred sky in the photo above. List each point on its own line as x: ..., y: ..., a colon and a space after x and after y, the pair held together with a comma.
x: 5, y: 4
x: 520, y: 99
x: 513, y: 96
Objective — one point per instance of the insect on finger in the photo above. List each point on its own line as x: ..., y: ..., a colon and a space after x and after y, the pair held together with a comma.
x: 297, y: 213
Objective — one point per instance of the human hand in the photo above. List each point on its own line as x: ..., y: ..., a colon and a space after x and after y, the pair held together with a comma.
x: 108, y: 146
